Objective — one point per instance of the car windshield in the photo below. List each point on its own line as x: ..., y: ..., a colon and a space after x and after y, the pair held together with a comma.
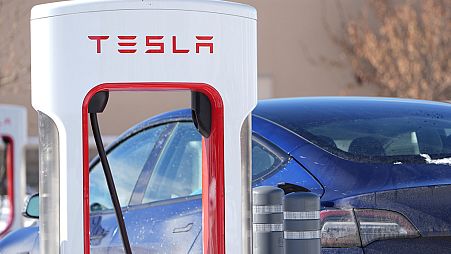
x: 384, y: 130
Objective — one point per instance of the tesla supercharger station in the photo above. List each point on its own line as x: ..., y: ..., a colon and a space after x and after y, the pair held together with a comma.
x: 13, y: 136
x: 80, y: 48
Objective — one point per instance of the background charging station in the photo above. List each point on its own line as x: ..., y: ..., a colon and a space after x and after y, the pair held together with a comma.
x: 80, y: 48
x: 13, y: 135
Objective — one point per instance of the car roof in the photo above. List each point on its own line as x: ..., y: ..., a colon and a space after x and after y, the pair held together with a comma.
x: 295, y: 113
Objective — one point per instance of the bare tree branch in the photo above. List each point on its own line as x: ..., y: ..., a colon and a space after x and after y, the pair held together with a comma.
x: 405, y: 52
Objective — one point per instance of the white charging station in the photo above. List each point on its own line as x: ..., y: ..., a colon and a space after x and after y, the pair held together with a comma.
x: 80, y: 48
x: 13, y: 135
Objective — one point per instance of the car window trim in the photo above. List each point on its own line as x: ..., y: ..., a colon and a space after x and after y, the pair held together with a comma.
x: 168, y: 142
x: 165, y: 202
x: 277, y: 152
x: 149, y: 165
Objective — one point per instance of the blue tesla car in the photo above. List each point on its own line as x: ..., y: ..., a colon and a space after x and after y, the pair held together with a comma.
x: 381, y: 166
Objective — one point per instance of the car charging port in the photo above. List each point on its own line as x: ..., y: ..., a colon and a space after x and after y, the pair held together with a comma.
x: 97, y: 105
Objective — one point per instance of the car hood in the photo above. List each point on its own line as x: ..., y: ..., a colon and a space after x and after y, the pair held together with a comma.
x: 20, y: 241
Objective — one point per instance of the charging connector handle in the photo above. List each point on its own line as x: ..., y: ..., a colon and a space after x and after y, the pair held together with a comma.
x: 201, y: 113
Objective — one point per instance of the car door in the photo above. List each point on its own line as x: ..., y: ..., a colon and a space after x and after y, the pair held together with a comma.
x: 169, y: 218
x: 169, y: 215
x: 127, y: 160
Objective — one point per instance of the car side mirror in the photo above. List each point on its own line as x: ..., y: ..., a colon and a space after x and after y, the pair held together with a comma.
x: 31, y: 209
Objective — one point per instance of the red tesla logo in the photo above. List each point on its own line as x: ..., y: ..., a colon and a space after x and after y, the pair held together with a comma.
x: 126, y: 44
x: 5, y: 122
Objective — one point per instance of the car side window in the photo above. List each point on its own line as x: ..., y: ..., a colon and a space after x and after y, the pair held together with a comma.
x: 264, y: 159
x: 178, y: 172
x: 126, y: 160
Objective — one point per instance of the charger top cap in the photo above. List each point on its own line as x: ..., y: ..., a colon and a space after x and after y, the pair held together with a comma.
x: 85, y: 6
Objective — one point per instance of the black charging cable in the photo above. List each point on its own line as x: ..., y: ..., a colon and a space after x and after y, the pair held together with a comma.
x: 97, y: 104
